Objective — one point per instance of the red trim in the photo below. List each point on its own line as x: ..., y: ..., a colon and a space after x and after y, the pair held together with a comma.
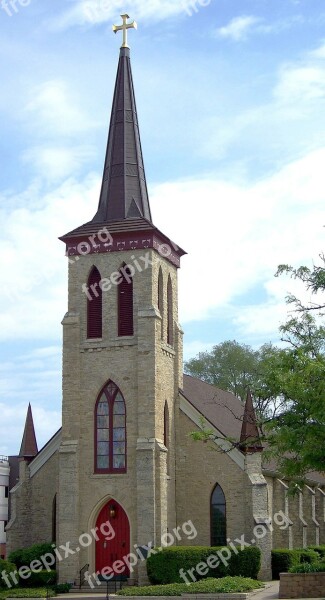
x: 111, y: 400
x: 82, y: 245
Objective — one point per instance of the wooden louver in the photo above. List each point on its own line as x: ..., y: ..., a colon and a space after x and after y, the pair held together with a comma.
x: 125, y: 305
x: 94, y: 305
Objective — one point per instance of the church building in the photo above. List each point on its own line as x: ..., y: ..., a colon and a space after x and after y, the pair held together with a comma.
x: 124, y: 456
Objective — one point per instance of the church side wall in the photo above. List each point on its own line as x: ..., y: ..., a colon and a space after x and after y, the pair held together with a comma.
x: 199, y: 468
x: 32, y: 506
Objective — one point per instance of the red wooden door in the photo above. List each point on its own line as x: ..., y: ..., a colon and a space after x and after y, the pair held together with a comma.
x: 108, y: 551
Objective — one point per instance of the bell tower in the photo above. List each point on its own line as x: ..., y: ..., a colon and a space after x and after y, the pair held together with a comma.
x: 122, y: 357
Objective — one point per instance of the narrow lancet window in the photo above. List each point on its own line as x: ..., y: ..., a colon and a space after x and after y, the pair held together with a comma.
x: 218, y: 517
x: 161, y: 300
x: 170, y: 320
x: 125, y: 302
x: 94, y: 305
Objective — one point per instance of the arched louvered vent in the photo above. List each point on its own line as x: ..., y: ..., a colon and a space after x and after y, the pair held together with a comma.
x: 94, y: 305
x: 170, y: 322
x: 125, y: 303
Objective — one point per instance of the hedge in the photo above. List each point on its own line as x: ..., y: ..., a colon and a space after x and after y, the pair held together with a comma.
x: 308, y: 568
x: 205, y: 586
x: 9, y: 567
x: 24, y: 556
x: 39, y: 579
x: 283, y: 559
x: 164, y: 566
x: 319, y: 549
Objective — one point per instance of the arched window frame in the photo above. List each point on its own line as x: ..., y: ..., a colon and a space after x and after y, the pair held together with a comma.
x: 94, y: 305
x: 113, y: 424
x: 161, y: 299
x: 170, y: 316
x: 221, y: 538
x: 125, y: 325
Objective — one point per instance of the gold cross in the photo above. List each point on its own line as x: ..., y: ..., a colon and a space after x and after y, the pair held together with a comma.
x: 125, y: 28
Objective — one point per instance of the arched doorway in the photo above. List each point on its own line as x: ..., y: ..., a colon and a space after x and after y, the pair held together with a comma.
x: 113, y: 543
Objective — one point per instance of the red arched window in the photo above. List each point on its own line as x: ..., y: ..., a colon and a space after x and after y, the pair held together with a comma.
x: 110, y: 431
x: 170, y: 321
x: 161, y: 300
x: 125, y: 302
x: 94, y: 305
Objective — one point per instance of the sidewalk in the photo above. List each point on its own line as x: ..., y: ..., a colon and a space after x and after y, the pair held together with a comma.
x: 269, y: 592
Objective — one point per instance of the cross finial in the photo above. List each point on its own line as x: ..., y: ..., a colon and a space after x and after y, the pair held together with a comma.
x: 124, y: 27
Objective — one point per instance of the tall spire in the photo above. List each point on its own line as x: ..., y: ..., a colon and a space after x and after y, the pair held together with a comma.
x: 250, y: 437
x: 28, y: 447
x: 124, y: 193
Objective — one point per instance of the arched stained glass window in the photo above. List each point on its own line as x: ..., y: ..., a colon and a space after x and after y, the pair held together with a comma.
x: 218, y: 517
x: 110, y: 431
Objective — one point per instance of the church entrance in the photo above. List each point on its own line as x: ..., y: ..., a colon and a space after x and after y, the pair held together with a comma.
x: 111, y: 549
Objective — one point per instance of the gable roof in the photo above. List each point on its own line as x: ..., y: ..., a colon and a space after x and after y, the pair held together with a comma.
x: 222, y: 409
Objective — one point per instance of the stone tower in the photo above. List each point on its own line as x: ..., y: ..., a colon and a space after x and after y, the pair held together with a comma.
x: 122, y: 362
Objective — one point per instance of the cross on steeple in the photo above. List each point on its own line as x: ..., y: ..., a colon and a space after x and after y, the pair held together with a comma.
x: 124, y: 27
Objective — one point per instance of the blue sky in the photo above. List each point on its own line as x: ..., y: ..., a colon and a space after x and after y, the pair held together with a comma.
x: 230, y: 97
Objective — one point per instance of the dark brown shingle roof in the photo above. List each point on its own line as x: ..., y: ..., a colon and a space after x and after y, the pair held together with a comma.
x: 222, y: 409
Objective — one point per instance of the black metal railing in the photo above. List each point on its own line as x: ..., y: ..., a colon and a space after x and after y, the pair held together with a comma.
x: 82, y: 575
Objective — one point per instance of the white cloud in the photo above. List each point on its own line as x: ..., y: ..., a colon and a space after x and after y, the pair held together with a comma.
x: 300, y: 84
x: 238, y: 28
x: 54, y: 109
x: 239, y: 234
x: 54, y: 163
x: 94, y: 12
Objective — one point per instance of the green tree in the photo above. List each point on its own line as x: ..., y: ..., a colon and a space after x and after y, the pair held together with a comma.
x: 230, y: 366
x: 296, y: 437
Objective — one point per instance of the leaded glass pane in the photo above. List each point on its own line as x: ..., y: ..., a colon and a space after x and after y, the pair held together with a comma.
x: 119, y: 421
x: 119, y: 461
x: 119, y: 408
x: 102, y: 408
x: 103, y: 422
x: 118, y: 447
x: 102, y: 448
x: 102, y: 462
x: 119, y: 434
x: 102, y: 435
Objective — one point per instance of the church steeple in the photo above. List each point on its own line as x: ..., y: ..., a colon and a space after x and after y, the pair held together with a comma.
x: 28, y: 447
x: 250, y: 437
x: 123, y: 219
x: 124, y: 193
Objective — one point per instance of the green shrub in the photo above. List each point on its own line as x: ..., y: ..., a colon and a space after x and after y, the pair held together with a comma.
x: 164, y: 567
x: 308, y: 568
x: 24, y: 556
x: 62, y: 588
x: 319, y: 549
x: 9, y: 567
x: 205, y: 586
x: 39, y: 579
x: 24, y: 593
x: 246, y: 563
x: 283, y: 559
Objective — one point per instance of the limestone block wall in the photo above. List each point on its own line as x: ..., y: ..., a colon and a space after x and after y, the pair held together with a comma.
x: 304, y: 512
x: 146, y: 370
x: 32, y: 506
x: 199, y: 468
